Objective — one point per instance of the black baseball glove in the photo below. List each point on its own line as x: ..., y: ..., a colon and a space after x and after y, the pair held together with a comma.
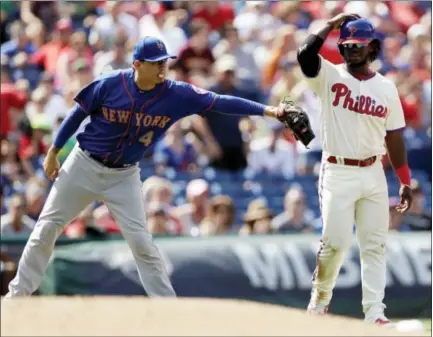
x: 296, y: 119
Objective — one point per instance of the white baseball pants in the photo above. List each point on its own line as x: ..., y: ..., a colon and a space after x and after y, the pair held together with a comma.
x: 353, y: 195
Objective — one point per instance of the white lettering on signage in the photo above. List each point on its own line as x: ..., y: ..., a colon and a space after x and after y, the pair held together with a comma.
x: 420, y: 254
x: 273, y: 266
x: 265, y: 266
x: 350, y: 274
x: 302, y: 272
x: 398, y: 265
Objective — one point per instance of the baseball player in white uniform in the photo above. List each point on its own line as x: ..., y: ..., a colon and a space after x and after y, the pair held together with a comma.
x: 361, y: 120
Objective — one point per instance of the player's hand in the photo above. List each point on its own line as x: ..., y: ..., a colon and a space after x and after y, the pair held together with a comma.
x: 339, y: 19
x: 405, y: 199
x: 51, y: 165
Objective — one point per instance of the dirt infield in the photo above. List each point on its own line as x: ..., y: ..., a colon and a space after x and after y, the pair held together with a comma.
x: 139, y: 316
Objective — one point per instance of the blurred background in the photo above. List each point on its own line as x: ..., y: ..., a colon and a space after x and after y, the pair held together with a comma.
x: 220, y: 175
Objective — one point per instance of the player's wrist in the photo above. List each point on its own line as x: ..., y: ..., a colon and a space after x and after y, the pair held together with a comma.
x: 271, y: 111
x: 54, y: 151
x: 403, y: 174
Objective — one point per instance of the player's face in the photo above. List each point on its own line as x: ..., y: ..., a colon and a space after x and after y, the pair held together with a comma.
x: 152, y: 72
x: 356, y: 53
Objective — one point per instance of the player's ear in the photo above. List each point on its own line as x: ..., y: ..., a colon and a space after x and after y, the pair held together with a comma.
x: 136, y: 64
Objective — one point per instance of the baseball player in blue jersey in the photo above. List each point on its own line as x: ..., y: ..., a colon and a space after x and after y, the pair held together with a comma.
x: 129, y: 111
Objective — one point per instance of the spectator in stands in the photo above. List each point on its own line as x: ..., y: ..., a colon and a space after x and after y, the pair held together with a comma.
x: 11, y: 97
x: 165, y: 25
x: 108, y: 26
x: 283, y: 46
x: 18, y: 52
x: 273, y: 154
x: 156, y: 191
x: 257, y: 219
x: 117, y: 58
x: 178, y: 149
x: 221, y: 217
x: 158, y: 219
x: 16, y: 221
x: 417, y: 218
x: 35, y: 194
x: 197, y: 55
x: 11, y: 168
x: 81, y: 76
x: 48, y: 55
x: 192, y: 214
x: 215, y: 13
x: 18, y: 43
x: 55, y: 106
x: 296, y: 217
x: 222, y: 133
x: 247, y: 72
x: 45, y: 106
x: 31, y: 146
x: 77, y: 49
x: 159, y: 191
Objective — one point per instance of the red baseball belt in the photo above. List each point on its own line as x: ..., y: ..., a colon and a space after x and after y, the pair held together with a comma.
x: 353, y: 162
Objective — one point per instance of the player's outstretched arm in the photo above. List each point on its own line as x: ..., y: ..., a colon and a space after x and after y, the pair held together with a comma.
x: 232, y: 105
x: 398, y: 158
x: 68, y: 127
x: 288, y: 113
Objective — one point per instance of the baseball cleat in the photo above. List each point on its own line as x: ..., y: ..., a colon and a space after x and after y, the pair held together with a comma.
x: 385, y: 322
x: 381, y: 320
x: 317, y: 309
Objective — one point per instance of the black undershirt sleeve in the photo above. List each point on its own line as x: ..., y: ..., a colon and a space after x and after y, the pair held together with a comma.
x: 308, y: 55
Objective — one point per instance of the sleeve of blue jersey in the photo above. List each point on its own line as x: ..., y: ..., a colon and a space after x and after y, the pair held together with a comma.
x: 200, y: 101
x: 91, y: 97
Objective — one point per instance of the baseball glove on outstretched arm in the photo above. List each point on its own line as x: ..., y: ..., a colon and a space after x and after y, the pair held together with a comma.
x: 296, y: 119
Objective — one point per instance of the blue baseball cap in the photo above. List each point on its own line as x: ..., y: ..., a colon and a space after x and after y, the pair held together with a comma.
x: 150, y: 49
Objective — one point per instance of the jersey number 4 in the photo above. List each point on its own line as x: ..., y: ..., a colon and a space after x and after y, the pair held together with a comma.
x: 147, y: 138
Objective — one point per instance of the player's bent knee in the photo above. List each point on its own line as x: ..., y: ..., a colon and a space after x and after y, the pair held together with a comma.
x: 331, y: 245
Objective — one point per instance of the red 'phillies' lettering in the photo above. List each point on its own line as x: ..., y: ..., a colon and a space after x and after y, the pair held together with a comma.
x: 362, y: 104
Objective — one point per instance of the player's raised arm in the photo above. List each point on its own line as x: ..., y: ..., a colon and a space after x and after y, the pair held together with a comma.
x: 308, y: 53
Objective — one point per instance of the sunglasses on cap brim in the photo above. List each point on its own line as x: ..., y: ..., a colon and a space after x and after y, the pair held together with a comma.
x: 354, y: 45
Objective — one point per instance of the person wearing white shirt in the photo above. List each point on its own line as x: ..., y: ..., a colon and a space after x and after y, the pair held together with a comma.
x: 16, y: 221
x: 273, y: 154
x: 107, y: 27
x: 164, y: 26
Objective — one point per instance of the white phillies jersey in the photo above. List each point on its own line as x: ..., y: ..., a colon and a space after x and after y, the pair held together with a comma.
x: 355, y: 114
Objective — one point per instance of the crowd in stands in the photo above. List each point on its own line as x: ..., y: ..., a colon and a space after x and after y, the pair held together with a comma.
x: 213, y: 175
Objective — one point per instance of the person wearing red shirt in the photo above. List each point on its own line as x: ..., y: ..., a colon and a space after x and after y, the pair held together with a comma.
x: 10, y: 97
x: 47, y: 56
x: 214, y: 13
x: 196, y: 56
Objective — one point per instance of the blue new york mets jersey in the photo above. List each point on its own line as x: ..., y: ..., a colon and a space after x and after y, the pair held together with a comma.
x: 125, y: 122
